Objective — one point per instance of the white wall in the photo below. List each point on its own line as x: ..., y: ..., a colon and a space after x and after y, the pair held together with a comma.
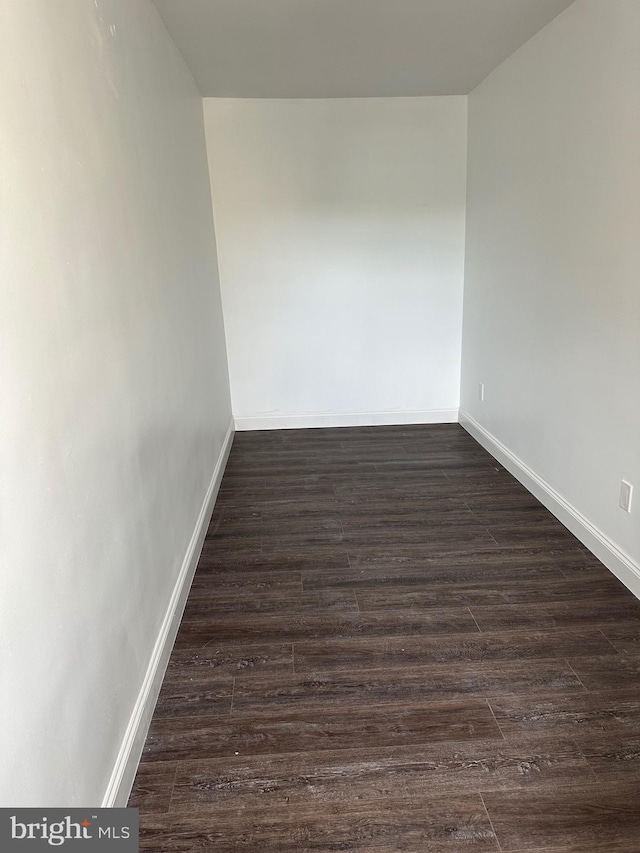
x: 552, y: 292
x: 340, y: 227
x: 114, y: 403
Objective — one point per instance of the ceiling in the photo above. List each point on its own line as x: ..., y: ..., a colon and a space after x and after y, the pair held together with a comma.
x: 349, y: 48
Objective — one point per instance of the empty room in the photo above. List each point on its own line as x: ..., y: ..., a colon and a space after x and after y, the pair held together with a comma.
x: 320, y: 425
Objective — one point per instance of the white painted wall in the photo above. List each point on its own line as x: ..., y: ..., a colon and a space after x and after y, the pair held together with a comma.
x: 114, y: 403
x: 552, y: 292
x: 340, y: 227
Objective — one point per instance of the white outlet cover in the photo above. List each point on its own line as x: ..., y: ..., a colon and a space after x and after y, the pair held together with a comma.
x: 626, y: 493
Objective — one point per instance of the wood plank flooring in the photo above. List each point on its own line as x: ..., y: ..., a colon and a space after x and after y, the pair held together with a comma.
x: 390, y: 645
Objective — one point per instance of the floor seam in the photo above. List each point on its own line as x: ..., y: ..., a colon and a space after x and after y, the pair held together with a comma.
x: 491, y: 535
x: 584, y: 756
x: 495, y: 719
x: 568, y: 663
x: 493, y: 829
x: 173, y: 788
x: 475, y: 620
x: 610, y: 642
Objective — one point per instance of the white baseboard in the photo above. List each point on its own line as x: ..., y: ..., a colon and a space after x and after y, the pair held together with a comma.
x: 124, y: 771
x: 623, y: 566
x: 347, y: 419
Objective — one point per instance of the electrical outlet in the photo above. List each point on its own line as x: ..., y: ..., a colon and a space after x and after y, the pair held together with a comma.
x: 626, y: 493
x: 481, y: 392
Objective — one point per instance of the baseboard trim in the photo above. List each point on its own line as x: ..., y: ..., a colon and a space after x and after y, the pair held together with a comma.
x: 623, y: 566
x: 124, y: 771
x: 347, y: 419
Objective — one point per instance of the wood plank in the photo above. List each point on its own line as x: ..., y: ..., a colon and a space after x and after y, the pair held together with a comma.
x: 606, y: 673
x: 182, y: 738
x: 573, y: 818
x: 289, y: 627
x: 353, y: 775
x: 433, y: 826
x: 393, y: 652
x: 181, y: 697
x: 613, y: 758
x: 563, y: 614
x: 153, y: 787
x: 437, y: 682
x: 229, y: 660
x: 231, y: 604
x: 487, y: 593
x: 616, y: 712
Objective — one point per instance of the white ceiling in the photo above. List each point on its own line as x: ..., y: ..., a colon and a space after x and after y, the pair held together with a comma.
x: 349, y: 48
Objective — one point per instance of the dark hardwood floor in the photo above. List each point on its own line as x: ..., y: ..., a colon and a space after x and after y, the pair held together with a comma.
x: 390, y: 645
